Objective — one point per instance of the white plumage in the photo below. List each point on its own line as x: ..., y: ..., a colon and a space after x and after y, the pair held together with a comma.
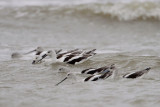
x: 71, y: 57
x: 98, y: 70
x: 101, y: 73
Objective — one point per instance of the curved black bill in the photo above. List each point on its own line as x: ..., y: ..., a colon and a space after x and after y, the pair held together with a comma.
x: 61, y: 81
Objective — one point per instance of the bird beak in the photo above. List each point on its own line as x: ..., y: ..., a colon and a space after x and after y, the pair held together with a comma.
x: 30, y: 52
x: 148, y: 68
x: 61, y: 81
x: 33, y: 62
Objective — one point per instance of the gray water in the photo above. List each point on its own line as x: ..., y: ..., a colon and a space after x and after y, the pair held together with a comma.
x: 124, y: 33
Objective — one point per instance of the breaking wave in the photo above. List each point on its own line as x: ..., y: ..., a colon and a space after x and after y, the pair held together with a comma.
x: 121, y: 11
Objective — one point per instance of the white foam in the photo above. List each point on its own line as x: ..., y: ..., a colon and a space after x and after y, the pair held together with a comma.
x: 121, y: 10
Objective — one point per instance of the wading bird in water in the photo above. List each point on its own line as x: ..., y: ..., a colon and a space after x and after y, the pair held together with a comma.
x: 137, y: 74
x: 73, y: 57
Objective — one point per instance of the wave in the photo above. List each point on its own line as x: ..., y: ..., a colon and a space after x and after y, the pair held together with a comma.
x: 121, y: 11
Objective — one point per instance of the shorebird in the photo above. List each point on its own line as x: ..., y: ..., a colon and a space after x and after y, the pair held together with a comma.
x: 71, y: 57
x: 98, y: 70
x: 137, y: 74
x: 98, y: 76
x: 40, y: 56
x: 51, y: 55
x: 37, y: 51
x: 102, y: 73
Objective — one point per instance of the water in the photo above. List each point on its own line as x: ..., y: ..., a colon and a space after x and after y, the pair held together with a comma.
x: 125, y: 33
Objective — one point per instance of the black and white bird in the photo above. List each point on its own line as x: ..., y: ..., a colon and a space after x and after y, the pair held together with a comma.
x: 137, y: 74
x: 50, y: 56
x: 102, y: 74
x: 99, y: 76
x: 42, y: 54
x: 75, y: 56
x: 71, y: 57
x: 35, y: 52
x: 98, y: 70
x: 37, y: 58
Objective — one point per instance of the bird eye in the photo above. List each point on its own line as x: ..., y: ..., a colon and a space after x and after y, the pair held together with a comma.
x: 49, y: 51
x: 68, y: 74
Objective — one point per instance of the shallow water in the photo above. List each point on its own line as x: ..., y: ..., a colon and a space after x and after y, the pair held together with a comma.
x: 126, y: 34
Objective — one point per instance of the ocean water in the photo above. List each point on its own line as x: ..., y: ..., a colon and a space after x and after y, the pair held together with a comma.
x: 124, y: 32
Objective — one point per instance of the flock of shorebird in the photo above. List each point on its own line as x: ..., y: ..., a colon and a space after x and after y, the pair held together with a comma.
x: 74, y: 57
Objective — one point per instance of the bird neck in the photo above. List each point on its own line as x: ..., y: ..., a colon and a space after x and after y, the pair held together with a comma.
x: 53, y: 56
x: 115, y: 74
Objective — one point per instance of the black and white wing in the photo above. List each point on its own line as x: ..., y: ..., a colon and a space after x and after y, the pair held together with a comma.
x: 136, y: 74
